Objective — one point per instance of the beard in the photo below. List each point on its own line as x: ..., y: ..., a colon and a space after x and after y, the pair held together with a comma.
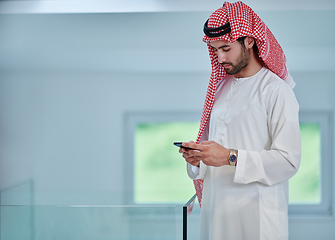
x: 240, y: 64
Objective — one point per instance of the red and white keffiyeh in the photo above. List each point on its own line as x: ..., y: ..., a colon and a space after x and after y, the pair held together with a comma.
x: 243, y: 22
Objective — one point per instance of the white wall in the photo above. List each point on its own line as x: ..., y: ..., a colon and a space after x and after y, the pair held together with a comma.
x: 66, y: 81
x: 67, y: 132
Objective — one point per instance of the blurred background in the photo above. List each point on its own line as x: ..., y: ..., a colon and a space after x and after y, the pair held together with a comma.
x: 93, y: 94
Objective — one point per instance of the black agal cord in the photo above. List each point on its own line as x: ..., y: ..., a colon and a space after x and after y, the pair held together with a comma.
x: 216, y: 32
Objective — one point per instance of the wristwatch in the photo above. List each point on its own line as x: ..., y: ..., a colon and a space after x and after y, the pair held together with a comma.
x: 232, y: 157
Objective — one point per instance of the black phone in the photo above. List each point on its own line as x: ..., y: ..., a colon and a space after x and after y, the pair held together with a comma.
x: 178, y: 144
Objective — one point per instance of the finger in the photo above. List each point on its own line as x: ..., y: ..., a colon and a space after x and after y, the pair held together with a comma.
x: 192, y: 158
x: 192, y: 153
x: 190, y: 145
x: 195, y: 153
x: 187, y: 155
x: 193, y: 161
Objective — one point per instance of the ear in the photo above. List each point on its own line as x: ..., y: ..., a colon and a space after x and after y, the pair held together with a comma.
x: 249, y: 42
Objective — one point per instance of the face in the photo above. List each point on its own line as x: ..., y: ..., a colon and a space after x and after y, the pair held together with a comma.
x: 232, y: 56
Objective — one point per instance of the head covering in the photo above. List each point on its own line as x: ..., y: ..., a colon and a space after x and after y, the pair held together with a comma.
x: 230, y: 22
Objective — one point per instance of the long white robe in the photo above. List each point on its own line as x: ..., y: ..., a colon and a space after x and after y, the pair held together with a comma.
x: 258, y: 116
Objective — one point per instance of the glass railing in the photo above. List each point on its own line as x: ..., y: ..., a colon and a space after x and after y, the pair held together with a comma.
x: 88, y: 222
x: 21, y: 219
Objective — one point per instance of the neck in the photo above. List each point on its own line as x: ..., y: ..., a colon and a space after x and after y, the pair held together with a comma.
x: 253, y: 67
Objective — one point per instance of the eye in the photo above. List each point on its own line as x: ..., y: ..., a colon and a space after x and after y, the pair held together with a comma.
x: 225, y: 49
x: 214, y: 49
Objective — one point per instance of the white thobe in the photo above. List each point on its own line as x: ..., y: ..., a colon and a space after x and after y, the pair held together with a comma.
x: 258, y: 116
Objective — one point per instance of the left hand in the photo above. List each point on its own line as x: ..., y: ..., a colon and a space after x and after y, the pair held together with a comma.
x: 209, y: 152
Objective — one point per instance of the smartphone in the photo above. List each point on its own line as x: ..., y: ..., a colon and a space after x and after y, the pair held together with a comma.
x: 178, y: 144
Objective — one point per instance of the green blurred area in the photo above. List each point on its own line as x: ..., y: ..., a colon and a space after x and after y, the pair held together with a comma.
x: 305, y: 185
x: 160, y: 172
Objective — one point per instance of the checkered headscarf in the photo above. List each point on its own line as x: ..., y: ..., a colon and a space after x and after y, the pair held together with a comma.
x: 243, y: 21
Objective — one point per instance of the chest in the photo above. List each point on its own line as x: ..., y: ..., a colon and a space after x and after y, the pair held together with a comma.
x: 239, y: 102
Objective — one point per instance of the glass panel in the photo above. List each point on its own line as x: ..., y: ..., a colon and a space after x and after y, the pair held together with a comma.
x: 88, y: 222
x: 16, y: 223
x: 159, y: 170
x: 305, y: 185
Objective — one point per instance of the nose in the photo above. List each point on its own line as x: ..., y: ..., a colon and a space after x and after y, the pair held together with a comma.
x: 221, y: 56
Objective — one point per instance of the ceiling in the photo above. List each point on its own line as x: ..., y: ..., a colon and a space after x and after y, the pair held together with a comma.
x: 110, y: 6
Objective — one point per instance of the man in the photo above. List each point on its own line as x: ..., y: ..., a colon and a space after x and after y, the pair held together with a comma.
x: 248, y: 144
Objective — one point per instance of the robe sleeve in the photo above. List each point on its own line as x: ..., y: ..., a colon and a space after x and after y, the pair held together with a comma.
x: 196, y: 172
x: 282, y: 160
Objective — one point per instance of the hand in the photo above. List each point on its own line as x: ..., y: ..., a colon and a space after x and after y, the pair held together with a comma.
x: 209, y: 152
x: 189, y: 157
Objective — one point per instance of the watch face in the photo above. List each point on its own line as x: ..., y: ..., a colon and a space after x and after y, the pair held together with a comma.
x: 232, y: 158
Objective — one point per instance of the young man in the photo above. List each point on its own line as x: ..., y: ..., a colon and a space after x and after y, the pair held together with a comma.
x: 248, y: 144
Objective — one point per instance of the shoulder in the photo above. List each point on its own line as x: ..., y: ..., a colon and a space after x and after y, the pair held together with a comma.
x: 279, y: 98
x: 270, y: 83
x: 275, y: 92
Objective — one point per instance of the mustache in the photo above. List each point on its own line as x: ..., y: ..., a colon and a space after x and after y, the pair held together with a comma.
x: 224, y: 63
